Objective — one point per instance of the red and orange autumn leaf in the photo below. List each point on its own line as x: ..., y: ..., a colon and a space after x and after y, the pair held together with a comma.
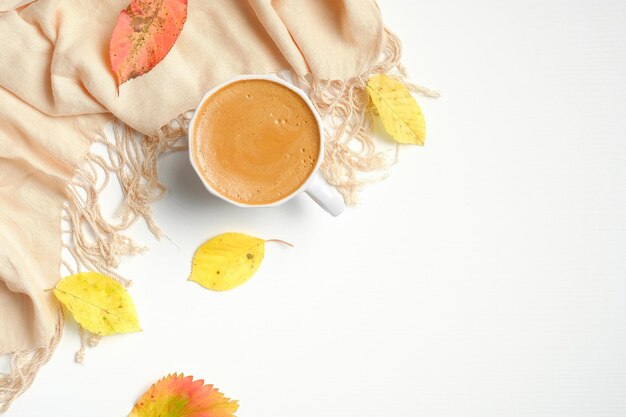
x: 144, y: 34
x: 180, y: 396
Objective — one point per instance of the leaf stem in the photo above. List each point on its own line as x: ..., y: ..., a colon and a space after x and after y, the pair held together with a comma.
x: 280, y: 241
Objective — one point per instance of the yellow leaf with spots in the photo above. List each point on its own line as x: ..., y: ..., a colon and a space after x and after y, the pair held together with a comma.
x: 227, y: 261
x: 99, y: 303
x: 398, y: 110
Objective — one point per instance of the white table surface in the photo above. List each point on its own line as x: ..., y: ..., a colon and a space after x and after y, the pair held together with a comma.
x: 485, y: 277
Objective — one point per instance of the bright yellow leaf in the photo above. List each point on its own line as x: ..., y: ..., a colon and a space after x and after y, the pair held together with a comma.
x: 227, y: 261
x: 99, y: 303
x: 398, y: 110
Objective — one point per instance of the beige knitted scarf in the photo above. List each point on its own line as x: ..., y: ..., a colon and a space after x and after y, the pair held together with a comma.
x: 57, y: 94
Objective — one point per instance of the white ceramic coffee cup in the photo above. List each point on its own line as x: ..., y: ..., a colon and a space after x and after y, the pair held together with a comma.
x: 315, y: 186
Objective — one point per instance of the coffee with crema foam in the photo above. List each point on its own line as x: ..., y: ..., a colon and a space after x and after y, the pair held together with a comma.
x: 255, y: 141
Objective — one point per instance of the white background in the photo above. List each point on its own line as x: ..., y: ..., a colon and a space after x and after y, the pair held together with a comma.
x: 485, y: 277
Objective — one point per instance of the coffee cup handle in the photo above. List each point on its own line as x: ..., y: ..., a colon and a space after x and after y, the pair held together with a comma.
x: 325, y: 195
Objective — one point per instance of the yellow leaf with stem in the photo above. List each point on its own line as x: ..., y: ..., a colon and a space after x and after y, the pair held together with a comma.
x: 398, y: 110
x: 98, y: 303
x: 227, y: 261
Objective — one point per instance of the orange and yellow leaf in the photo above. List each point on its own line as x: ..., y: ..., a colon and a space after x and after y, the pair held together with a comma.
x: 144, y: 34
x: 180, y: 396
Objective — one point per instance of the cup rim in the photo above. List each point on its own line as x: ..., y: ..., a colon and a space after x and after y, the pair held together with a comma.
x: 278, y: 80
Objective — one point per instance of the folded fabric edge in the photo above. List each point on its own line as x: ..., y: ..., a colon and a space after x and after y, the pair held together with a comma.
x: 24, y: 366
x: 92, y: 242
